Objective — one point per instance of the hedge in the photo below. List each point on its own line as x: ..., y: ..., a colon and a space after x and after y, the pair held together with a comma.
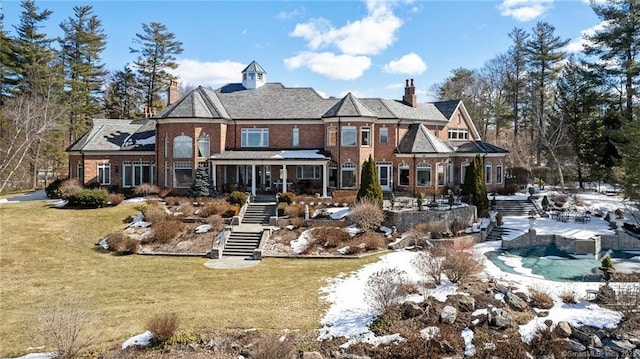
x: 89, y: 198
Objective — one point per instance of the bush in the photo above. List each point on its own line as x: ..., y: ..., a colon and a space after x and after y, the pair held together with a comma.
x: 367, y: 214
x: 214, y: 207
x: 607, y: 262
x: 330, y: 237
x: 115, y: 198
x: 545, y: 202
x: 163, y: 326
x: 499, y: 219
x: 297, y: 222
x: 216, y: 221
x: 287, y: 197
x: 462, y: 261
x: 294, y: 210
x: 62, y: 188
x: 568, y: 296
x: 559, y: 201
x: 540, y: 299
x: 67, y: 326
x: 167, y: 229
x: 145, y: 189
x: 282, y: 207
x: 88, y: 198
x: 372, y: 241
x: 238, y: 198
x: 120, y: 243
x: 383, y: 289
x: 154, y: 214
x: 433, y: 228
x: 458, y: 226
x: 52, y: 190
x: 430, y: 264
x: 272, y: 347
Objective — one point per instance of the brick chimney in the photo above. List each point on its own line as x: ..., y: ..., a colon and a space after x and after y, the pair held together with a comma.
x: 148, y: 112
x: 173, y: 94
x: 410, y: 94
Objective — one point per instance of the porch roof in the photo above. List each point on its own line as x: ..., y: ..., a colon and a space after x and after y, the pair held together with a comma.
x: 270, y: 156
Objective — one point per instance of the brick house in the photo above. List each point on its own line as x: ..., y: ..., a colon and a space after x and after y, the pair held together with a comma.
x: 259, y: 136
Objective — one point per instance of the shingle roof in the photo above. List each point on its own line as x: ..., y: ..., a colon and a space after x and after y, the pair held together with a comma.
x: 447, y: 107
x: 270, y: 155
x: 480, y: 147
x: 420, y: 140
x: 199, y: 103
x: 349, y: 106
x: 254, y: 67
x: 118, y: 135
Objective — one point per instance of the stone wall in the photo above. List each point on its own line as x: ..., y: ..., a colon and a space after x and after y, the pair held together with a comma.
x: 405, y: 220
x: 618, y: 241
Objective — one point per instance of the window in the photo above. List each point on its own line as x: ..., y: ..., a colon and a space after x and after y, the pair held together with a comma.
x: 295, y: 137
x: 458, y: 134
x: 348, y: 175
x: 182, y: 174
x: 80, y: 172
x: 136, y: 173
x: 499, y: 173
x: 333, y: 174
x: 255, y: 137
x: 259, y: 76
x: 365, y: 133
x: 332, y: 136
x: 423, y: 174
x: 204, y: 146
x: 104, y: 173
x: 403, y: 174
x: 349, y: 136
x: 488, y: 172
x: 442, y: 179
x: 384, y: 135
x: 308, y: 172
x: 463, y: 171
x: 182, y: 147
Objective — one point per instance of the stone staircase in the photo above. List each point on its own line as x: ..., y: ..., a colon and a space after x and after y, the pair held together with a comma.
x: 242, y: 243
x: 259, y: 213
x: 514, y: 207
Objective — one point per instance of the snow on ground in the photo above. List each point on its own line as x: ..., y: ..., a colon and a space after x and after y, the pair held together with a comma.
x: 141, y: 339
x: 579, y: 230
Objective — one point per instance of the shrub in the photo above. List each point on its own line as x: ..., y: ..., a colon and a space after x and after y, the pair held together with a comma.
x: 559, y: 201
x: 67, y: 326
x: 145, y: 189
x: 431, y: 227
x: 382, y: 290
x: 69, y: 187
x: 461, y: 263
x: 430, y: 264
x: 214, y: 207
x: 167, y: 229
x: 271, y: 347
x: 120, y: 243
x: 499, y: 219
x: 568, y: 296
x: 297, y: 222
x: 287, y: 197
x: 52, y: 190
x: 367, y: 214
x: 607, y: 262
x: 88, y: 198
x: 372, y: 241
x: 237, y: 198
x: 540, y: 299
x: 545, y: 202
x: 163, y: 326
x: 294, y: 210
x: 154, y: 214
x: 330, y: 237
x: 164, y: 192
x: 216, y: 221
x: 115, y: 198
x: 458, y: 226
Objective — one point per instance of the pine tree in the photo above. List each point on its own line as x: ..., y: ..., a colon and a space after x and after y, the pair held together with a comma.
x: 474, y: 184
x: 516, y: 77
x: 200, y: 184
x: 81, y: 44
x: 123, y: 97
x: 157, y: 51
x: 369, y: 183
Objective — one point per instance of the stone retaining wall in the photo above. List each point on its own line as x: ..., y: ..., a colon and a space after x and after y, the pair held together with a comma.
x: 405, y: 220
x: 618, y: 241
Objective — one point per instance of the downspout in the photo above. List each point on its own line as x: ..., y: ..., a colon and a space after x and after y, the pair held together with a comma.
x: 413, y: 178
x: 338, y: 145
x: 83, y: 169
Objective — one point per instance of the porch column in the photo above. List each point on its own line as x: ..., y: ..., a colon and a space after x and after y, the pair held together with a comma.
x: 284, y: 178
x: 324, y: 179
x: 253, y: 180
x: 214, y: 174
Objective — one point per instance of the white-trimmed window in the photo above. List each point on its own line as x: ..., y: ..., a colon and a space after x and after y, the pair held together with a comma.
x: 349, y: 136
x: 332, y: 136
x: 348, y: 175
x: 295, y: 137
x: 384, y: 135
x: 333, y: 174
x: 80, y: 172
x: 463, y: 170
x: 182, y: 147
x: 204, y: 146
x: 182, y: 174
x: 137, y: 173
x: 442, y: 174
x: 104, y: 173
x: 308, y: 172
x: 488, y: 172
x: 458, y: 134
x: 255, y: 137
x: 403, y: 174
x: 499, y: 173
x: 423, y: 174
x: 365, y: 136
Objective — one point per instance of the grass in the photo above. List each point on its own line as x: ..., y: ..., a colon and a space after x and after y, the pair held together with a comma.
x: 50, y: 253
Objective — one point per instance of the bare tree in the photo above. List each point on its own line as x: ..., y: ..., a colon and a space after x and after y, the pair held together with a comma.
x: 430, y: 264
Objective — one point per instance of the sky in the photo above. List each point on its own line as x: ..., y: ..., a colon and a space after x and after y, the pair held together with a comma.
x: 368, y: 48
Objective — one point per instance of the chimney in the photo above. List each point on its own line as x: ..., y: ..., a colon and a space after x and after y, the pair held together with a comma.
x: 410, y: 94
x: 173, y: 94
x: 148, y: 112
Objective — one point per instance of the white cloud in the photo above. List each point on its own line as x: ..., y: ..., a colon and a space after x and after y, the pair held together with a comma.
x: 215, y: 74
x: 338, y: 67
x: 525, y: 10
x: 410, y: 64
x: 367, y: 36
x: 577, y: 45
x: 288, y: 15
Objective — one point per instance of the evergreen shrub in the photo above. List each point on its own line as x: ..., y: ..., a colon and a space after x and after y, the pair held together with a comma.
x: 89, y: 198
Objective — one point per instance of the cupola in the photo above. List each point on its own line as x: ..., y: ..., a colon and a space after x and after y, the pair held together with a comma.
x: 253, y: 76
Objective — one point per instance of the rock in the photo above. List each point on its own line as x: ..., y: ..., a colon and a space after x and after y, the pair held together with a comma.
x: 312, y: 355
x: 467, y: 304
x: 633, y: 337
x: 619, y: 345
x: 351, y: 356
x: 595, y: 341
x: 596, y: 352
x: 570, y: 345
x: 411, y: 310
x: 448, y: 315
x: 563, y: 330
x: 636, y: 354
x: 515, y: 302
x: 429, y: 333
x: 499, y: 318
x: 548, y: 323
x: 542, y: 313
x: 581, y: 336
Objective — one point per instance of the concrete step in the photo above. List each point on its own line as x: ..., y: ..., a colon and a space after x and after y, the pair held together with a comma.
x: 242, y: 244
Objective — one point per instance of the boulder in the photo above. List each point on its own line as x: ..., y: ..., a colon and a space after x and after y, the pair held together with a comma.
x: 499, y: 318
x: 448, y: 315
x: 351, y: 356
x: 595, y: 341
x: 467, y: 304
x: 312, y: 355
x: 570, y: 345
x: 563, y: 330
x: 515, y: 302
x: 542, y: 313
x: 619, y: 345
x: 411, y: 310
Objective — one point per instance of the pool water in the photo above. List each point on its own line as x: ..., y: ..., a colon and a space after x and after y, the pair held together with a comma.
x: 553, y: 264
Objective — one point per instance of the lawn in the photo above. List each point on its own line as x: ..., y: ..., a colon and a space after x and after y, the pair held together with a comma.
x: 48, y: 253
